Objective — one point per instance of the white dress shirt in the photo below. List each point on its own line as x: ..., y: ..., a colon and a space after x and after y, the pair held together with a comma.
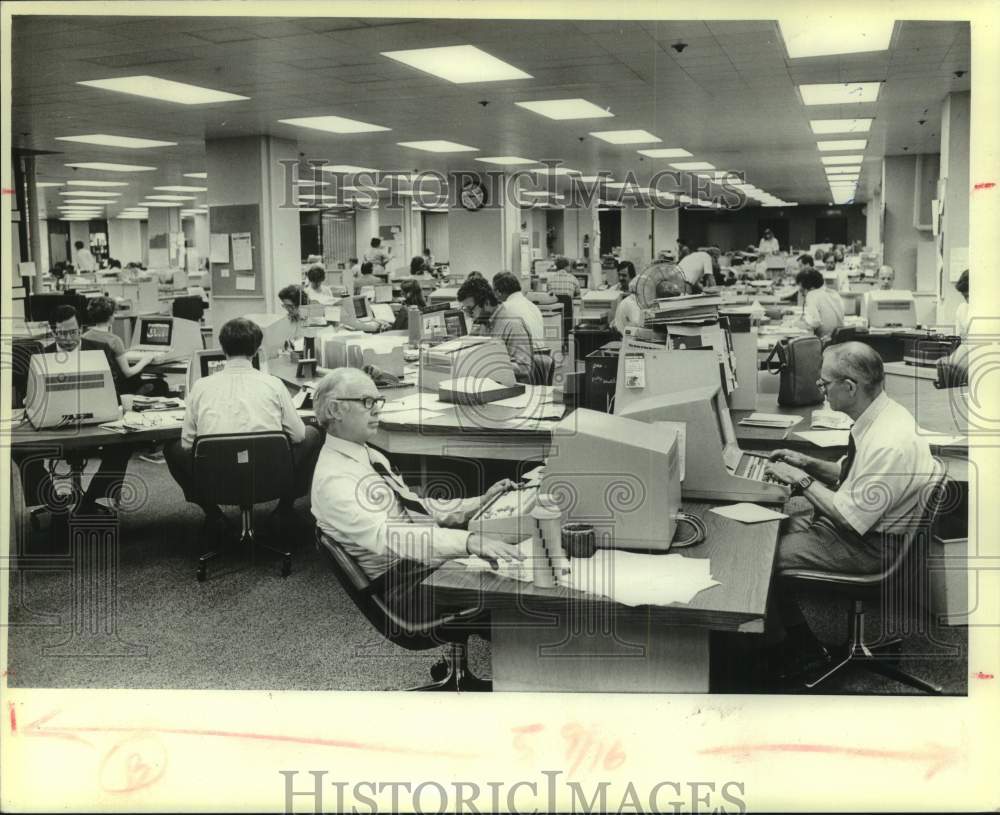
x: 769, y: 246
x: 695, y: 266
x: 962, y: 320
x: 239, y: 399
x: 628, y: 313
x: 517, y: 305
x: 324, y: 295
x: 823, y: 311
x: 352, y: 504
x: 83, y: 261
x: 892, y: 466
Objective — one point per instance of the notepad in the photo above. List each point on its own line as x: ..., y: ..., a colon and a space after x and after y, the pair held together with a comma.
x: 747, y: 513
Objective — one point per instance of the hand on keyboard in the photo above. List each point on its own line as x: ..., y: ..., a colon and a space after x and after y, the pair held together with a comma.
x: 782, y: 473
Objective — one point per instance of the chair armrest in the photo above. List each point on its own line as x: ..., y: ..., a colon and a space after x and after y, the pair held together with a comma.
x: 833, y: 578
x: 426, y: 627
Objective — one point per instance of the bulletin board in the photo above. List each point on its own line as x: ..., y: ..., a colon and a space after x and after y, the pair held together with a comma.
x: 228, y: 220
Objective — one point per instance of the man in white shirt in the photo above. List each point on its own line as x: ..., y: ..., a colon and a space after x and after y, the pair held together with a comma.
x: 361, y: 502
x: 822, y: 308
x: 695, y: 266
x: 628, y: 312
x: 240, y: 399
x: 378, y: 257
x: 508, y: 289
x: 769, y: 244
x: 862, y: 506
x: 83, y: 261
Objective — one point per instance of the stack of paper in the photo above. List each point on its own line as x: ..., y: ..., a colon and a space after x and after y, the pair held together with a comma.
x: 132, y: 421
x: 776, y: 420
x: 748, y: 513
x: 512, y: 569
x: 831, y: 419
x: 825, y: 438
x: 637, y: 580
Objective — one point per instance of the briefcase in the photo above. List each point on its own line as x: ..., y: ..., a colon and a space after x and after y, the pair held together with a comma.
x: 798, y: 361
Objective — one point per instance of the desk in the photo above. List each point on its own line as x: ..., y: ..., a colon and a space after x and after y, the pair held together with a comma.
x: 559, y: 639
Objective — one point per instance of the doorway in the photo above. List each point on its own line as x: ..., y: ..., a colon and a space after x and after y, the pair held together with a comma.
x: 611, y: 229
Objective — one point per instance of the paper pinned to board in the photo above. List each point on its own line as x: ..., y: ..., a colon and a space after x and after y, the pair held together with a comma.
x: 218, y: 247
x: 246, y: 282
x: 242, y: 252
x: 825, y: 438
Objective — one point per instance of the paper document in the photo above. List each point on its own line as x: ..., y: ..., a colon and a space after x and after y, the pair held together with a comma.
x: 218, y: 247
x: 832, y: 419
x: 748, y: 513
x: 417, y: 401
x: 411, y: 416
x: 242, y: 252
x: 825, y: 438
x: 771, y: 420
x: 512, y: 569
x: 636, y: 580
x: 942, y: 439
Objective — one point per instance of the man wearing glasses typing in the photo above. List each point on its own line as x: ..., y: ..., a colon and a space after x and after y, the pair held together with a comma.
x: 360, y: 501
x: 863, y: 504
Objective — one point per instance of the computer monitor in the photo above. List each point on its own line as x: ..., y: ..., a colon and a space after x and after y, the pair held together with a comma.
x: 454, y: 323
x: 615, y: 474
x: 155, y: 332
x: 41, y: 307
x: 208, y: 362
x: 889, y: 308
x: 276, y: 328
x: 66, y: 390
x: 356, y: 312
x: 433, y: 325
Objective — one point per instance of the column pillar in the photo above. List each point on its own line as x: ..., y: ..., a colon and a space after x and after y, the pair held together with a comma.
x: 955, y: 144
x: 35, y: 236
x: 596, y: 275
x: 248, y: 192
x: 164, y: 226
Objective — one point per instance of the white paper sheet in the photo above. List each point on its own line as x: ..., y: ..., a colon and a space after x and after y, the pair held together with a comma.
x: 242, y: 252
x: 747, y: 513
x: 831, y: 419
x: 634, y: 579
x: 218, y: 247
x: 246, y: 282
x: 825, y: 438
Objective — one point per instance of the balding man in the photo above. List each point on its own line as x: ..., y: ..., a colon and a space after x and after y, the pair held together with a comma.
x: 360, y: 501
x: 863, y: 505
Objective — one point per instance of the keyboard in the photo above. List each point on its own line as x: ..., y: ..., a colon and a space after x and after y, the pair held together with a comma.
x: 137, y: 354
x: 752, y: 466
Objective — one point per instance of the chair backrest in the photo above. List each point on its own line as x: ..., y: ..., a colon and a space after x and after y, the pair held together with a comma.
x: 542, y: 368
x: 243, y: 468
x: 844, y: 333
x: 936, y: 496
x: 567, y: 318
x: 189, y: 308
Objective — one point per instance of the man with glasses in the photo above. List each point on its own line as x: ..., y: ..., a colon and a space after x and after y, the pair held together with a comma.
x: 480, y: 303
x: 107, y: 481
x: 240, y: 399
x: 863, y: 505
x: 360, y: 501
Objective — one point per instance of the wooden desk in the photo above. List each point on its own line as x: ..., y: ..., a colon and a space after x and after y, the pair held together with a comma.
x: 560, y: 639
x: 89, y: 437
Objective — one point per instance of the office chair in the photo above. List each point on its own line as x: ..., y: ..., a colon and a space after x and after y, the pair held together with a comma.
x: 542, y: 367
x: 244, y: 469
x: 567, y: 318
x: 190, y: 307
x: 453, y: 674
x: 909, y: 559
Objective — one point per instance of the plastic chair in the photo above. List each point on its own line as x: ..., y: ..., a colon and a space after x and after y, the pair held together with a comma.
x: 244, y: 469
x: 862, y: 587
x: 454, y: 674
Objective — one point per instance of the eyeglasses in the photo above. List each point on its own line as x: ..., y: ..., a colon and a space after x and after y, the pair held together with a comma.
x: 367, y: 402
x: 66, y: 332
x: 824, y: 384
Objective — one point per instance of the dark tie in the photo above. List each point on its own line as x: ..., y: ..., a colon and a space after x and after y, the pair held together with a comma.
x: 848, y: 462
x: 409, y: 504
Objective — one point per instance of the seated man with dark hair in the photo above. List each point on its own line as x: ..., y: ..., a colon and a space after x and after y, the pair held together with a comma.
x: 367, y: 277
x: 107, y: 481
x: 562, y: 281
x: 508, y: 291
x: 240, y: 399
x: 480, y: 302
x: 100, y: 313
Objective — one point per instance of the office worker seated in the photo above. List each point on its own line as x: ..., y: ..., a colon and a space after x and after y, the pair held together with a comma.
x: 768, y: 244
x: 359, y: 501
x: 240, y: 399
x: 107, y: 481
x: 100, y: 313
x: 861, y: 504
x: 508, y: 291
x: 413, y: 295
x: 561, y: 281
x: 317, y: 289
x: 428, y: 260
x: 292, y: 299
x: 822, y: 308
x: 628, y: 314
x: 367, y: 278
x: 480, y: 303
x: 417, y: 266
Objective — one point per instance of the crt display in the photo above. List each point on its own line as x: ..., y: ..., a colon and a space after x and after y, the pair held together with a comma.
x: 156, y: 332
x: 360, y: 307
x: 213, y: 363
x: 454, y: 324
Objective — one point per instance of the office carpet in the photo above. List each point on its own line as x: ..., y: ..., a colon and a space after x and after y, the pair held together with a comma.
x: 248, y: 628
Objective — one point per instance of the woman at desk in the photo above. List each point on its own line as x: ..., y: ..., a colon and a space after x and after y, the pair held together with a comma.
x: 768, y: 244
x: 413, y: 295
x: 317, y: 290
x: 822, y: 308
x: 100, y: 313
x: 293, y: 298
x: 628, y: 314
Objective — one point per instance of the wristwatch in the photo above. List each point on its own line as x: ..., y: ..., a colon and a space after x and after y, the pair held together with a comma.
x: 800, y: 486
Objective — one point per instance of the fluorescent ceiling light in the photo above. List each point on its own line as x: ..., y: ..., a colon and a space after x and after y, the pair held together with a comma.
x: 822, y: 127
x: 172, y: 197
x: 506, y: 161
x: 693, y: 165
x: 366, y: 188
x: 535, y: 193
x: 161, y: 203
x: 349, y: 169
x: 554, y: 171
x: 438, y: 146
x: 334, y: 124
x: 566, y: 109
x: 594, y: 179
x: 80, y: 183
x: 665, y: 152
x: 91, y: 193
x: 104, y: 140
x: 312, y: 183
x: 196, y: 175
x: 98, y: 202
x: 837, y: 145
x: 110, y: 168
x: 836, y: 179
x: 839, y: 93
x: 805, y: 37
x: 48, y: 184
x: 843, y: 170
x: 458, y: 63
x: 308, y: 209
x: 625, y: 136
x: 842, y: 159
x: 153, y: 87
x: 181, y: 188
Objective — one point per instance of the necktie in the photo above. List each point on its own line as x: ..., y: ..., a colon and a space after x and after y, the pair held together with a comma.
x: 848, y: 461
x: 409, y: 504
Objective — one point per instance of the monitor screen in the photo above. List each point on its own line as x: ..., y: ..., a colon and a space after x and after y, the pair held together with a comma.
x: 211, y: 362
x: 360, y: 306
x: 156, y: 332
x: 454, y: 324
x: 433, y: 325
